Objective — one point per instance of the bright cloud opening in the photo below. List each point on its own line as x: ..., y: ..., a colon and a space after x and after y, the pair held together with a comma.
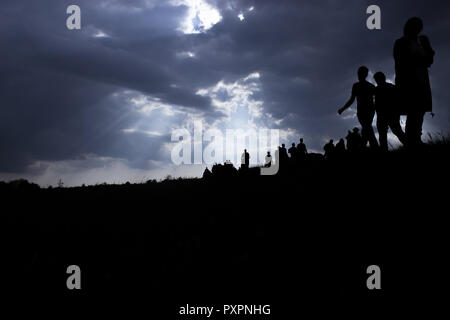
x: 201, y: 16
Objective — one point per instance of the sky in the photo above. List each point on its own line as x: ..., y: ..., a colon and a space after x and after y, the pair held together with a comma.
x: 100, y: 104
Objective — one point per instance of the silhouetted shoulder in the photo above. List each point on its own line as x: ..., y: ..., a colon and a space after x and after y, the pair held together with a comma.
x: 400, y: 42
x: 363, y: 88
x: 400, y: 46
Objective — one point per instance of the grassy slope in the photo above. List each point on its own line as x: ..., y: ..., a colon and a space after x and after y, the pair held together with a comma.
x: 313, y: 230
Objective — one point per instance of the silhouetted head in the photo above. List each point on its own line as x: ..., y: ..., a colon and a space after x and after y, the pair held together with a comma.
x: 245, y: 150
x: 331, y: 141
x: 379, y: 77
x: 283, y: 146
x: 293, y: 144
x: 362, y: 73
x: 301, y: 140
x: 268, y: 153
x: 413, y: 27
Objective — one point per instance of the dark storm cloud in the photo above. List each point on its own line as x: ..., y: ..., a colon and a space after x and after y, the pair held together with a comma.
x: 57, y: 86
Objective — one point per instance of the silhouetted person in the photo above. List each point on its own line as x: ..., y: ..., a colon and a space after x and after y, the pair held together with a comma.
x: 354, y: 141
x: 268, y: 160
x: 329, y: 149
x: 283, y: 156
x: 413, y: 56
x: 245, y: 159
x: 207, y: 174
x: 283, y: 152
x: 301, y: 149
x: 388, y: 114
x: 363, y: 92
x: 293, y: 152
x: 339, y: 149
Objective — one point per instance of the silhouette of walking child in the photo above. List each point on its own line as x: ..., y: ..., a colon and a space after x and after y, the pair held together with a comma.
x: 388, y: 113
x: 363, y: 91
x: 413, y: 56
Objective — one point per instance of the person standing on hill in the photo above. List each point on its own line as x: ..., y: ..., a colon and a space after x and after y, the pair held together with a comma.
x: 245, y: 159
x: 301, y: 149
x: 413, y: 56
x: 293, y: 152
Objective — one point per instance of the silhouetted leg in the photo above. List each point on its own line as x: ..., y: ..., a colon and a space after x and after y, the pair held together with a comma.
x: 382, y: 127
x: 394, y: 124
x: 369, y: 135
x: 367, y: 130
x: 414, y: 122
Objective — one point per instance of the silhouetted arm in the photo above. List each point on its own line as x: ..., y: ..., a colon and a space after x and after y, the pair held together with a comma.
x: 348, y: 104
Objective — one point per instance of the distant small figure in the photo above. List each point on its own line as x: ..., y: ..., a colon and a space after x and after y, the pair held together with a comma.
x: 301, y: 148
x: 329, y: 149
x: 268, y: 160
x: 283, y: 153
x: 354, y: 140
x: 363, y: 91
x: 293, y: 152
x: 207, y: 174
x: 388, y: 114
x: 245, y: 160
x: 340, y: 147
x: 413, y: 56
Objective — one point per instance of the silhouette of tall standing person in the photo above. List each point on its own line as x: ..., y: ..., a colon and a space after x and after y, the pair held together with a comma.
x: 388, y: 113
x: 363, y: 91
x: 413, y: 56
x: 245, y: 159
x: 283, y: 153
x: 302, y: 150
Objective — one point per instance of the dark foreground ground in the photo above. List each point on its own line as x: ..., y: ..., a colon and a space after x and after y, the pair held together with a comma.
x: 300, y: 241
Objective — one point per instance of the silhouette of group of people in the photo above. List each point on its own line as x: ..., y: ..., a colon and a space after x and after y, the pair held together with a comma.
x: 410, y: 96
x: 297, y: 153
x: 355, y: 143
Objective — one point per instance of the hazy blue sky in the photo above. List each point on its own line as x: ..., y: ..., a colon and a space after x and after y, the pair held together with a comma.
x: 99, y: 104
